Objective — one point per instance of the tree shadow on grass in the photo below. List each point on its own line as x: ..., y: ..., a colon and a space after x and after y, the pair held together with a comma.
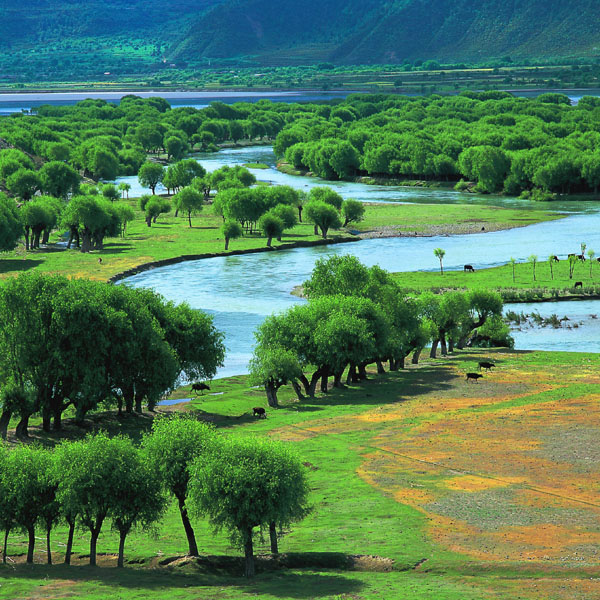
x: 115, y: 248
x: 281, y: 582
x: 396, y: 386
x: 8, y: 265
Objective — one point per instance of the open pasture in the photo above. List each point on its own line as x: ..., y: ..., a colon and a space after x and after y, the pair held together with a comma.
x: 445, y: 489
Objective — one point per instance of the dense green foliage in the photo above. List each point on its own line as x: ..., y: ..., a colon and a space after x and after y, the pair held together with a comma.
x: 84, y: 344
x: 357, y: 316
x: 516, y: 145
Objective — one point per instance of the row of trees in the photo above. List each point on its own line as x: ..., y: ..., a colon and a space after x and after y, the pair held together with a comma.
x: 244, y: 486
x: 356, y: 316
x: 78, y: 345
x: 501, y: 142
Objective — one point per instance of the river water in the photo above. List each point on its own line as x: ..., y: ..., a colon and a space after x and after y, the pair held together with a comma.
x: 240, y: 291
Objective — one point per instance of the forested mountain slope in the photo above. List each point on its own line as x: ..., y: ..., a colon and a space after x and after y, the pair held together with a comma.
x: 378, y: 31
x: 67, y: 37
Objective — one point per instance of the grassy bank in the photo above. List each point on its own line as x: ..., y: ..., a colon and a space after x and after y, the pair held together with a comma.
x: 547, y: 284
x: 171, y: 237
x: 388, y: 220
x: 410, y: 467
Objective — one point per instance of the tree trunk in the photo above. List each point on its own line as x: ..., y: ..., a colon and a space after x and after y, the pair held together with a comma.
x: 138, y: 404
x: 416, y: 355
x: 86, y: 243
x: 337, y: 379
x: 149, y: 221
x: 271, y: 391
x: 316, y: 230
x: 48, y: 549
x: 432, y: 353
x: 298, y: 389
x: 128, y: 395
x: 31, y: 545
x: 324, y: 233
x: 120, y: 560
x: 443, y: 347
x: 93, y: 543
x: 46, y: 419
x: 189, y: 532
x: 273, y: 536
x: 27, y: 239
x: 249, y: 553
x: 300, y: 214
x: 226, y: 243
x: 4, y: 422
x: 57, y: 419
x: 22, y: 426
x: 362, y: 372
x: 451, y: 345
x: 190, y: 218
x: 5, y: 549
x: 380, y: 369
x: 352, y: 376
x: 269, y: 240
x: 400, y: 362
x: 70, y: 543
x: 325, y: 382
x: 310, y: 386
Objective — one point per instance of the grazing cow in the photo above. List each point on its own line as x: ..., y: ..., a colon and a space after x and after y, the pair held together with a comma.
x: 581, y: 257
x: 260, y: 412
x: 578, y: 284
x: 474, y: 377
x: 598, y: 259
x: 468, y: 269
x: 486, y: 365
x: 555, y: 259
x: 100, y: 261
x: 199, y: 387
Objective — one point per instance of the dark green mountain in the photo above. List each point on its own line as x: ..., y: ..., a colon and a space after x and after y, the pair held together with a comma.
x: 375, y: 31
x: 72, y: 38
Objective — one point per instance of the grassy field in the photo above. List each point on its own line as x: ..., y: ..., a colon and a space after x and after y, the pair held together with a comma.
x: 435, y: 219
x: 547, y: 283
x: 447, y: 490
x: 172, y: 237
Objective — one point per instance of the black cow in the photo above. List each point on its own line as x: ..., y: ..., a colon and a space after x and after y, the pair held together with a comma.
x: 578, y: 284
x: 474, y: 377
x: 598, y: 259
x: 486, y: 365
x: 199, y: 387
x: 554, y: 259
x: 581, y: 257
x: 260, y: 412
x: 468, y: 269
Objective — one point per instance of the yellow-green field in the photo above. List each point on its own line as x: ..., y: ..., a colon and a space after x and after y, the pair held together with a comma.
x: 447, y: 489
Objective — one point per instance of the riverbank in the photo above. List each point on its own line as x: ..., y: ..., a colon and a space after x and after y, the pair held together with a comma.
x: 549, y: 285
x: 170, y: 240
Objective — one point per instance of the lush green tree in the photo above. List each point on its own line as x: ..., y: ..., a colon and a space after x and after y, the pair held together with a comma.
x: 353, y: 211
x: 190, y: 201
x: 150, y: 175
x: 11, y: 228
x: 272, y: 227
x: 27, y: 486
x: 23, y: 183
x: 8, y: 501
x: 327, y: 195
x: 171, y: 448
x: 248, y: 484
x: 231, y: 231
x: 124, y: 188
x: 91, y: 483
x: 59, y: 179
x: 273, y: 368
x: 110, y: 192
x: 140, y: 500
x: 323, y: 215
x: 439, y: 254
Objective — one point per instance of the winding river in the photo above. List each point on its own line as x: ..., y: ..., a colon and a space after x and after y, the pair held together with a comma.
x: 240, y: 291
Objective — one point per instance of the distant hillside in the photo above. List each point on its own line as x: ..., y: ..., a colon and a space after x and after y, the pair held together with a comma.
x: 71, y: 38
x: 375, y: 31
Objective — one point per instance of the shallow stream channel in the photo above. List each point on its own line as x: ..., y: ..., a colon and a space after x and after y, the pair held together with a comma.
x: 240, y: 291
